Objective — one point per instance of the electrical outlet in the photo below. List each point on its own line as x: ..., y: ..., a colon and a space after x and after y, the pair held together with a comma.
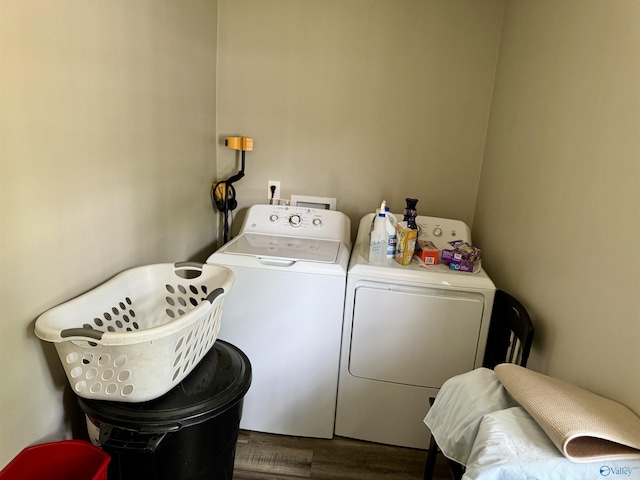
x: 273, y: 193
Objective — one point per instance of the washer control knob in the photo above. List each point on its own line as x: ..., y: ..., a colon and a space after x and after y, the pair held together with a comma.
x: 317, y: 222
x: 295, y: 220
x: 437, y: 232
x: 273, y: 218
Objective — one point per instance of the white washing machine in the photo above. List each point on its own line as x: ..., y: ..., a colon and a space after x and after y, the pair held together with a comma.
x: 285, y: 312
x: 407, y: 329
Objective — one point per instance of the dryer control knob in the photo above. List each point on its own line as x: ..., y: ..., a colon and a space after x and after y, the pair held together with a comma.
x: 273, y: 218
x: 295, y: 220
x: 317, y: 222
x: 437, y: 232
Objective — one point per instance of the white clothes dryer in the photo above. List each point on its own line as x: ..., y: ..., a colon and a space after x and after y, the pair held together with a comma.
x: 407, y: 329
x: 285, y: 312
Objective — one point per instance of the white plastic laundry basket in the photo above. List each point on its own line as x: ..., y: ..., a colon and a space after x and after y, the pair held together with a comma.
x: 138, y: 335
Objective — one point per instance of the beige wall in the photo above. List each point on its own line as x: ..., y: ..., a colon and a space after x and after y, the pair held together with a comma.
x: 361, y: 100
x: 558, y: 205
x: 107, y: 151
x: 108, y: 142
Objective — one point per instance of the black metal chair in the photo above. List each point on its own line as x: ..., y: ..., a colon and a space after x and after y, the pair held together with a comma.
x: 509, y: 341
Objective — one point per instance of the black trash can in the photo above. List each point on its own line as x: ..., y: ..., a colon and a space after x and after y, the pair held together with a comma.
x: 190, y: 433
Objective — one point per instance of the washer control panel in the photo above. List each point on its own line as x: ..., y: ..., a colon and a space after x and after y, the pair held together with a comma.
x: 297, y: 221
x: 296, y: 216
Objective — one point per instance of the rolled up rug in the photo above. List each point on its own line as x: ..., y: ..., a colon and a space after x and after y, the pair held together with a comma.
x: 584, y: 426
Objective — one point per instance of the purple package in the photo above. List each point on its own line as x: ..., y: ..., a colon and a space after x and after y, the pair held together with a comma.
x: 452, y: 256
x: 462, y: 267
x: 462, y: 257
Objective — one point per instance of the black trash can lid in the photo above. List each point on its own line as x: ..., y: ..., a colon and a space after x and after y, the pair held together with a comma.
x: 219, y: 382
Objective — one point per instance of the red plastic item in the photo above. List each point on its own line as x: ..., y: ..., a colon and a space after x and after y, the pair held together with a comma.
x: 65, y: 460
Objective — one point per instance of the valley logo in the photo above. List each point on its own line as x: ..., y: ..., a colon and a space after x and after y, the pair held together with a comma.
x: 606, y: 470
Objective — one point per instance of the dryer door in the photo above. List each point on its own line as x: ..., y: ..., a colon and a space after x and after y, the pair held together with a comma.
x: 414, y: 336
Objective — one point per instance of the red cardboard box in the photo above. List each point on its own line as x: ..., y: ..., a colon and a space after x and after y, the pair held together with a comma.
x: 426, y: 252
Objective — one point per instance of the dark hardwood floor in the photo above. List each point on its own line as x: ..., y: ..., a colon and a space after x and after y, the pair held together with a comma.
x: 262, y: 456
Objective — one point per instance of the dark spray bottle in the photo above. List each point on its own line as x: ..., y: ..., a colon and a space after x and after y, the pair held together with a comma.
x: 410, y: 213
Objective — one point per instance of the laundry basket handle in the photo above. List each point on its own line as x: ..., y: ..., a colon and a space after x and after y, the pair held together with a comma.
x: 215, y: 294
x: 81, y: 332
x: 187, y: 266
x: 188, y: 270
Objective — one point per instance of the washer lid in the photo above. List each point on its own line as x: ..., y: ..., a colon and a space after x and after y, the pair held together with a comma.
x: 284, y: 248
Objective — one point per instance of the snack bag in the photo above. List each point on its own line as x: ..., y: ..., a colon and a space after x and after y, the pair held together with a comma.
x: 406, y: 243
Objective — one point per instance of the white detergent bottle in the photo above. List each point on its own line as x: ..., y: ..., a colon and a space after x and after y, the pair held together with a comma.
x: 379, y: 239
x: 392, y: 239
x: 375, y: 217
